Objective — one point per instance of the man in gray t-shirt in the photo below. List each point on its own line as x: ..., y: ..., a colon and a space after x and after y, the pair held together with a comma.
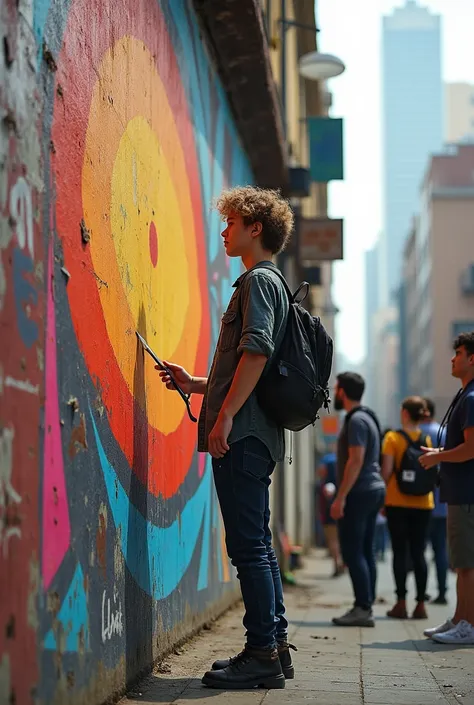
x: 360, y: 495
x: 360, y: 430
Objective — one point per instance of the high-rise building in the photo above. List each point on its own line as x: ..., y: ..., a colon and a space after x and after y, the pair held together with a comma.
x: 412, y: 115
x: 459, y: 101
x: 439, y: 289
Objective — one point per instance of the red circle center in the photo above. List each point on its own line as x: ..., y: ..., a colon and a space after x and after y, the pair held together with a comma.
x: 153, y: 244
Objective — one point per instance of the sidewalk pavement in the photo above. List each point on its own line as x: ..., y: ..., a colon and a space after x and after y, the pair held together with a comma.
x: 391, y: 664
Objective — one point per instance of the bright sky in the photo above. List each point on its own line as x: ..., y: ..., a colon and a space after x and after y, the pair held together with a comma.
x: 351, y: 29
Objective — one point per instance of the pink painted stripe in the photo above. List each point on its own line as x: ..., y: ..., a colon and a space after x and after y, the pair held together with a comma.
x: 56, y: 524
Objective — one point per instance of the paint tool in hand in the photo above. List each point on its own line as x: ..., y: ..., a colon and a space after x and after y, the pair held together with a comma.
x: 161, y: 364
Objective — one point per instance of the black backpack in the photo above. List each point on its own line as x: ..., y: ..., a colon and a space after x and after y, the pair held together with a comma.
x: 412, y: 478
x: 294, y: 387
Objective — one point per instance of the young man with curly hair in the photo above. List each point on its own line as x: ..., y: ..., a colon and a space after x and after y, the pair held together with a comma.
x: 457, y: 490
x: 244, y: 444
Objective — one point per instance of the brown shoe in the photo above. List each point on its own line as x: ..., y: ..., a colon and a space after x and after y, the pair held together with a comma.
x: 398, y: 611
x: 420, y: 611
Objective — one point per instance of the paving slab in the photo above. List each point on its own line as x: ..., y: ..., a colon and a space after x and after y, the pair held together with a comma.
x: 390, y: 664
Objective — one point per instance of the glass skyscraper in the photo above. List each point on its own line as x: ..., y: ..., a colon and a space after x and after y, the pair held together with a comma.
x: 412, y: 114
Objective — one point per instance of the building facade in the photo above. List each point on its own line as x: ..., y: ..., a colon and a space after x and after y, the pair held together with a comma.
x: 289, y: 38
x: 459, y: 102
x: 438, y: 274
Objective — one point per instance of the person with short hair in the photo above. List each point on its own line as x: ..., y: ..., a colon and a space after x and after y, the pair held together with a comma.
x: 360, y: 495
x: 457, y: 489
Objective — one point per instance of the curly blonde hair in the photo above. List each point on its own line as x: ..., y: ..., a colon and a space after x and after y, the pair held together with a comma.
x: 260, y: 205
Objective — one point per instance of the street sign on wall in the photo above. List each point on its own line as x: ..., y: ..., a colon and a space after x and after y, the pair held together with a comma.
x: 326, y: 149
x: 321, y: 239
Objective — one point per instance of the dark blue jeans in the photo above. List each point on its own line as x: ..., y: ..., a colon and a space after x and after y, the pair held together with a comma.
x: 242, y: 479
x: 356, y: 536
x: 438, y: 538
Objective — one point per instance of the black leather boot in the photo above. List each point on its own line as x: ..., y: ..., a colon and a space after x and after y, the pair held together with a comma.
x: 283, y: 652
x: 252, y: 668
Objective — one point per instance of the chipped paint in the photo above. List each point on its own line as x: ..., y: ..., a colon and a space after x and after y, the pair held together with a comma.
x: 119, y: 560
x: 78, y: 440
x: 101, y: 539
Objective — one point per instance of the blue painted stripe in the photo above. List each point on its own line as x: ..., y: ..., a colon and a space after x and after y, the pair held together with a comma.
x: 72, y: 617
x: 170, y: 549
x: 40, y: 15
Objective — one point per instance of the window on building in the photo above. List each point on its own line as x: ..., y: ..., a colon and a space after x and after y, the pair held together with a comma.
x: 459, y: 327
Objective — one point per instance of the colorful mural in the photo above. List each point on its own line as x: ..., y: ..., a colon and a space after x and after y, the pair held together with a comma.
x: 115, y: 233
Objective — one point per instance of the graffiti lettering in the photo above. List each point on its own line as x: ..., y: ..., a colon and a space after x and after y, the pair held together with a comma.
x: 23, y: 385
x: 112, y: 621
x: 21, y: 213
x: 9, y: 497
x: 21, y: 210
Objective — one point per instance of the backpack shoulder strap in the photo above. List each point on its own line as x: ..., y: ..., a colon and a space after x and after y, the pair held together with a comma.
x: 405, y: 435
x: 275, y: 270
x: 412, y: 443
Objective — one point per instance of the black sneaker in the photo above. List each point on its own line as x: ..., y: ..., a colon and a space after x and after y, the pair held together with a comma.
x: 252, y: 668
x: 283, y: 652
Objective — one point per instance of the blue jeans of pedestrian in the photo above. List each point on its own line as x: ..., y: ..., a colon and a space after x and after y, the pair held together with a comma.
x: 242, y: 479
x: 438, y: 539
x: 356, y: 537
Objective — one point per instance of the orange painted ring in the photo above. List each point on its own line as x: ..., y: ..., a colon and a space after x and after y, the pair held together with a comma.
x: 104, y: 314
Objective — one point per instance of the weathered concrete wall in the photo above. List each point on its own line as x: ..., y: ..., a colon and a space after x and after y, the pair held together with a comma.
x: 115, y: 135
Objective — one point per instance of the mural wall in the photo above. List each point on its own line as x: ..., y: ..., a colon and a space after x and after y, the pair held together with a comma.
x: 115, y: 137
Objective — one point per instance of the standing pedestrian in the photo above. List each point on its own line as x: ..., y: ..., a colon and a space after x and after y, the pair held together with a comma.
x: 457, y: 489
x: 408, y: 515
x: 437, y: 530
x: 359, y: 497
x: 244, y: 444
